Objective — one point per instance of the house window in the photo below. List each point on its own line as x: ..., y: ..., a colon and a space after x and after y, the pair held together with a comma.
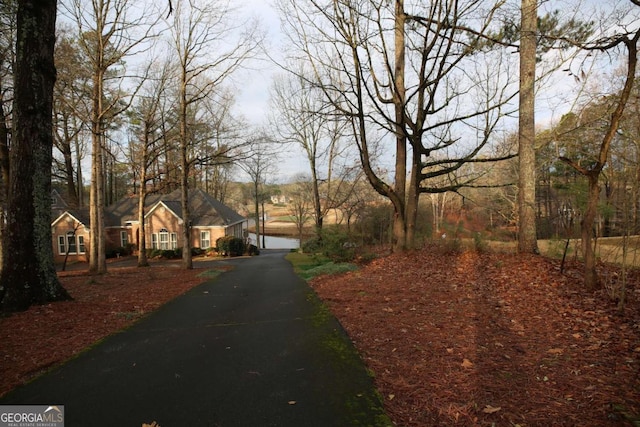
x: 163, y: 237
x: 124, y: 239
x: 71, y: 243
x: 62, y: 247
x: 81, y: 244
x: 205, y: 239
x: 154, y: 241
x: 174, y: 241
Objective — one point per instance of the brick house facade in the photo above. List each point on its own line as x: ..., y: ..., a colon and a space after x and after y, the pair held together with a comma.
x: 210, y: 219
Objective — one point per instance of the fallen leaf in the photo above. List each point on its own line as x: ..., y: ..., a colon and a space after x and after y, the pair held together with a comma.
x: 391, y: 396
x: 555, y: 351
x: 466, y: 363
x: 490, y: 409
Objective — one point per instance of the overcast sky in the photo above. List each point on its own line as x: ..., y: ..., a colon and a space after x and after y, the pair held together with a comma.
x: 253, y: 96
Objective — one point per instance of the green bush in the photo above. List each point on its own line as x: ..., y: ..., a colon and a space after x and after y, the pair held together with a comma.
x: 312, y: 245
x: 164, y: 253
x: 230, y: 246
x: 337, y: 246
x: 334, y: 244
x: 197, y: 251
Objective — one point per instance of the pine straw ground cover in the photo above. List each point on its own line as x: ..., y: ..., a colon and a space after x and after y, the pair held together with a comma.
x: 452, y: 339
x: 486, y: 339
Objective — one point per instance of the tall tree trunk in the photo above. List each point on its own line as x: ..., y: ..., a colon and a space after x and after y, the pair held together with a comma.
x: 142, y: 196
x: 187, y: 261
x: 399, y: 98
x: 97, y: 248
x: 142, y: 237
x: 257, y: 210
x: 79, y: 184
x: 413, y: 197
x: 586, y: 232
x: 65, y: 147
x: 28, y: 274
x: 527, y: 236
x: 593, y: 174
x: 4, y: 174
x: 317, y: 203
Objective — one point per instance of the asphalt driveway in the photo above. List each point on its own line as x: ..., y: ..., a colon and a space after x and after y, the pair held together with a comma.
x: 254, y: 347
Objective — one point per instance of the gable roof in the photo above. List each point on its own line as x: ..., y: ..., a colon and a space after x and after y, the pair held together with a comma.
x: 205, y: 210
x: 78, y: 215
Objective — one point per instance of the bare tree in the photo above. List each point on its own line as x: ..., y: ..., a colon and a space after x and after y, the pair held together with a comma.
x: 593, y: 171
x: 209, y: 46
x: 108, y: 32
x: 301, y: 205
x: 220, y: 139
x: 259, y: 165
x: 398, y: 72
x: 301, y: 118
x: 71, y: 115
x: 147, y: 147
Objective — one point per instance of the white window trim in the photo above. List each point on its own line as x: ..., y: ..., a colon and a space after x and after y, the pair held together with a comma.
x: 163, y: 239
x: 205, y: 239
x: 63, y: 242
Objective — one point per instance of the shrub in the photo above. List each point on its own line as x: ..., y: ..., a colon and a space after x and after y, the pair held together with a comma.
x: 153, y: 253
x: 334, y: 244
x: 312, y: 245
x: 120, y: 251
x: 252, y: 250
x: 197, y: 251
x: 230, y: 246
x: 171, y: 253
x: 164, y: 253
x: 480, y: 243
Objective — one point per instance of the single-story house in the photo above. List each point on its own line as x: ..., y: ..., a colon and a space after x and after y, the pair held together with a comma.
x: 209, y: 220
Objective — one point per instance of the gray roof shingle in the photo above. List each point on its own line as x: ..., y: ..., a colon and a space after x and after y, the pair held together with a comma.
x: 205, y: 210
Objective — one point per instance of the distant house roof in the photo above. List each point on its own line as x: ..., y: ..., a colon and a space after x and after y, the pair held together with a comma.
x: 80, y: 215
x: 204, y: 210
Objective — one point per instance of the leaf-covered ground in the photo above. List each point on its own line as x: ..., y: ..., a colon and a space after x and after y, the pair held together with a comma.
x: 452, y: 339
x: 491, y: 339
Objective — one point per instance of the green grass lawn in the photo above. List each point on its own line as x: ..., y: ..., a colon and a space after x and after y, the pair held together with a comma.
x: 308, y: 266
